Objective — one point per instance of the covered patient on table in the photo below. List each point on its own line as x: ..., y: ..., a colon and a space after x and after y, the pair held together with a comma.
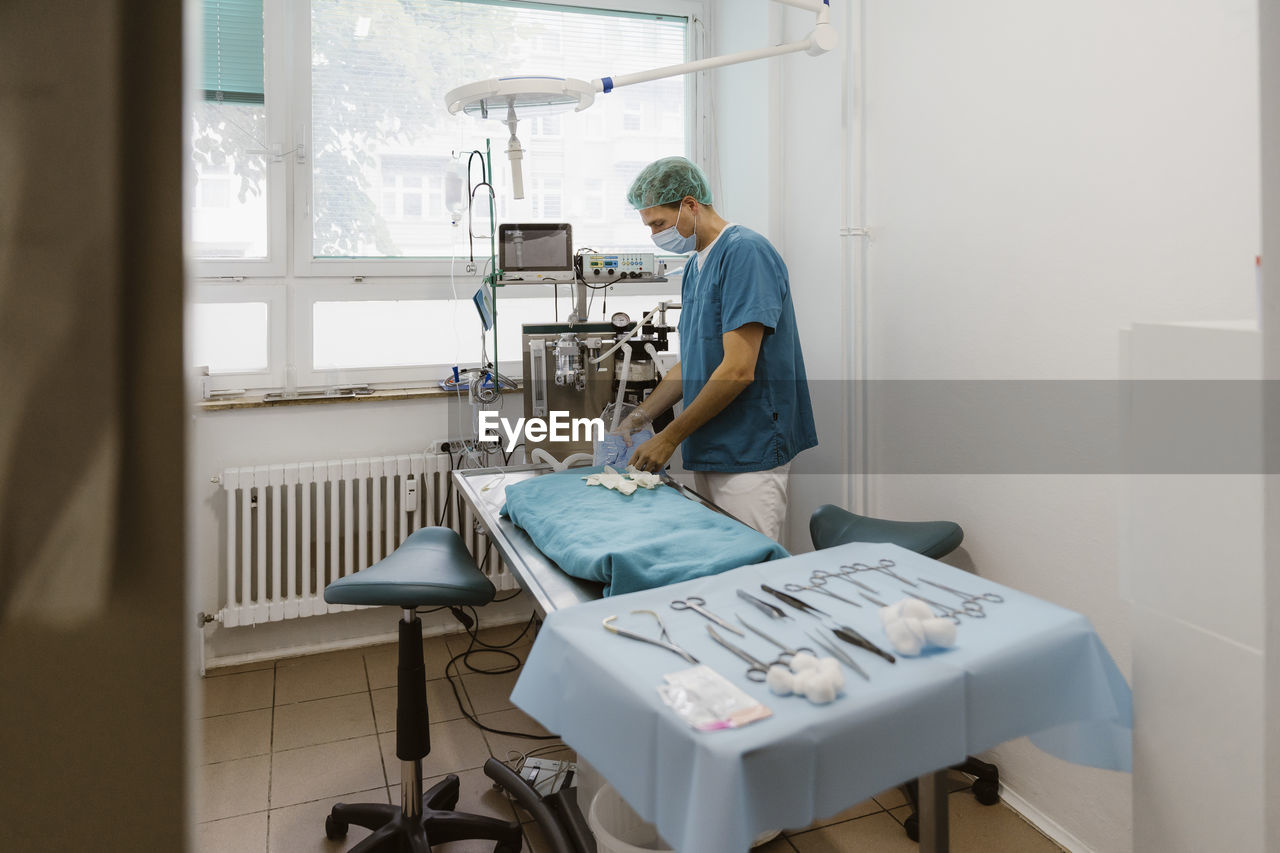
x: 649, y: 538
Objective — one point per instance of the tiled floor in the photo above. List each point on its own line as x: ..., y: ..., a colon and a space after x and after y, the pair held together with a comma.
x: 283, y: 741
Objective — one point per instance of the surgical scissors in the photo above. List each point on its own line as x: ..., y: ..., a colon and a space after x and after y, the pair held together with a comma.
x: 695, y: 603
x: 967, y: 596
x: 757, y: 670
x: 664, y: 643
x: 784, y: 656
x: 818, y: 584
x: 967, y: 609
x: 885, y: 566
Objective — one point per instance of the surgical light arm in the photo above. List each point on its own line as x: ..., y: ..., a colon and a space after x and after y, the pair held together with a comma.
x: 819, y: 41
x: 508, y: 98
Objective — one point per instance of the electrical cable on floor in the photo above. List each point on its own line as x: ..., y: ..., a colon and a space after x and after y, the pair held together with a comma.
x: 473, y: 631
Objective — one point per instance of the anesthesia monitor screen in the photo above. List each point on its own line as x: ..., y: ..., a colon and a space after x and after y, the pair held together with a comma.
x: 535, y: 247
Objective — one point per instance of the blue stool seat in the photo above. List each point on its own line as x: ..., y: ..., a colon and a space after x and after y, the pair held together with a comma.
x: 432, y: 567
x: 830, y: 526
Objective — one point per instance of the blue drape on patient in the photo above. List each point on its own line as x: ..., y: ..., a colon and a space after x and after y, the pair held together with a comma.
x: 630, y: 542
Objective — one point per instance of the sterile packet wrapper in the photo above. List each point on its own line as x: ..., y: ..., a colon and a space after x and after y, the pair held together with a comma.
x: 708, y: 701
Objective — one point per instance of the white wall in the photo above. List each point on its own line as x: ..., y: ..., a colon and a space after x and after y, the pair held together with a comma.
x: 782, y: 155
x: 1037, y: 178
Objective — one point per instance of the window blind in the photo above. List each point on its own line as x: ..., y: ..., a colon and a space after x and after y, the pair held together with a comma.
x: 233, y: 64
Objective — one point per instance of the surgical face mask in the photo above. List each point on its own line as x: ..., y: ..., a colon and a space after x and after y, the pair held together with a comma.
x: 671, y: 240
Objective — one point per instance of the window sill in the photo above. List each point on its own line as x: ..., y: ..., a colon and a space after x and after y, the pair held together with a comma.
x: 264, y: 401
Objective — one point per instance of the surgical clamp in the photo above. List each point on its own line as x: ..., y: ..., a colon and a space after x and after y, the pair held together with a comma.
x: 664, y: 643
x: 969, y: 608
x: 785, y: 656
x: 757, y: 670
x: 885, y: 566
x: 869, y: 595
x: 967, y: 596
x: 818, y: 584
x: 695, y: 603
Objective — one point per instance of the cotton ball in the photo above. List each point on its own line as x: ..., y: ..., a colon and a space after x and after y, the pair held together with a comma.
x: 904, y: 640
x: 780, y: 680
x: 891, y: 613
x: 801, y: 661
x: 914, y: 625
x: 800, y: 683
x: 939, y: 632
x: 830, y: 668
x: 819, y: 689
x: 917, y: 609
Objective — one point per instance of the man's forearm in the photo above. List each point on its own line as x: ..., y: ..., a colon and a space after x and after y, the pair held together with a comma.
x: 718, y: 393
x: 666, y: 395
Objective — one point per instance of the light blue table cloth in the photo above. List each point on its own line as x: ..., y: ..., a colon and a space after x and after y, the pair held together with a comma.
x: 1028, y: 668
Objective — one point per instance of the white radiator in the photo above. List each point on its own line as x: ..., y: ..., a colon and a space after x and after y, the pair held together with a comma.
x: 291, y: 529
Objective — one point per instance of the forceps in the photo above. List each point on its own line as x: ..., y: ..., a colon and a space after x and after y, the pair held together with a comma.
x: 763, y: 606
x: 839, y: 654
x: 969, y: 608
x: 664, y: 642
x: 969, y: 597
x: 757, y: 670
x: 885, y: 566
x: 844, y: 632
x: 695, y: 603
x: 785, y: 656
x: 818, y: 584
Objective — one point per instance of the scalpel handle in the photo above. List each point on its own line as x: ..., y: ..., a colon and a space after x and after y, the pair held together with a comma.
x: 792, y: 600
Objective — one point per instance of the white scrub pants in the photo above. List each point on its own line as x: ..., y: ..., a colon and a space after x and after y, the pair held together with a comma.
x: 758, y: 498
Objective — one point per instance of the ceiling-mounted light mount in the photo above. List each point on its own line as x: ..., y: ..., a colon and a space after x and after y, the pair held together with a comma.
x: 509, y: 99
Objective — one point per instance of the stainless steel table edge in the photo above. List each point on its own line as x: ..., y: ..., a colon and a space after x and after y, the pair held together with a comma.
x: 548, y: 585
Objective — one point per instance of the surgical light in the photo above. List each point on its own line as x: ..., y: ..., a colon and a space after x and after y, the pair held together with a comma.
x: 509, y: 99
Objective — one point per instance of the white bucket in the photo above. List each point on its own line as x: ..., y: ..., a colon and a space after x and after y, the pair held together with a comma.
x: 618, y: 829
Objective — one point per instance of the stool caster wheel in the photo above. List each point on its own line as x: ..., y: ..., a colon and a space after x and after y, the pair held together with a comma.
x: 334, y: 828
x: 912, y: 826
x: 986, y: 792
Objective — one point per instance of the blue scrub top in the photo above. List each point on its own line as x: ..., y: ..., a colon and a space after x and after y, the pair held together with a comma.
x: 744, y: 280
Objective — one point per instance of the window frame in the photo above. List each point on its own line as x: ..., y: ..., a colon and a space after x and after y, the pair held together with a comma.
x: 339, y: 290
x: 306, y: 265
x: 290, y: 280
x: 274, y: 294
x: 276, y: 93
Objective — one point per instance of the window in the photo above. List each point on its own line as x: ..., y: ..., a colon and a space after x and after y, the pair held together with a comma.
x: 228, y: 134
x: 380, y: 97
x: 230, y: 337
x: 326, y: 120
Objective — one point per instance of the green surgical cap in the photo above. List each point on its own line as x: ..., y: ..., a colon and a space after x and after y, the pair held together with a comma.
x: 666, y: 181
